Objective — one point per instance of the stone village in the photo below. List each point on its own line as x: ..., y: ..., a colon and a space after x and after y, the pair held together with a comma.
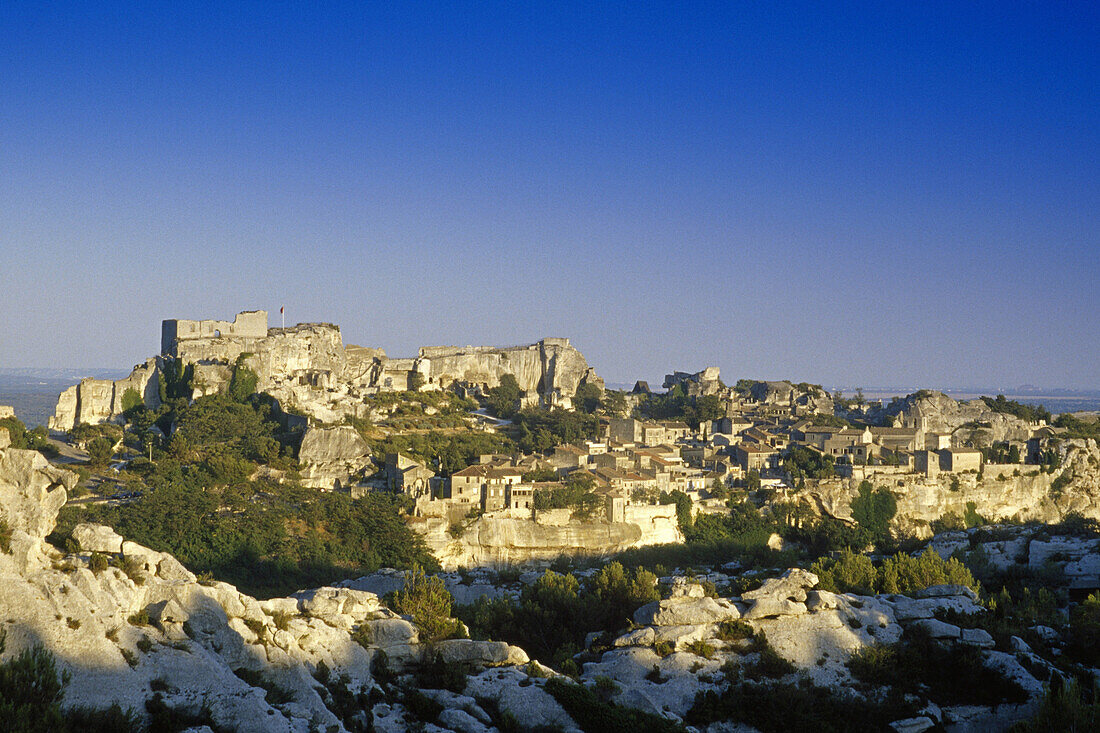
x: 925, y: 447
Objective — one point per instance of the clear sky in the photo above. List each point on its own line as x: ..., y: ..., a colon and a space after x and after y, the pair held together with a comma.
x: 879, y: 194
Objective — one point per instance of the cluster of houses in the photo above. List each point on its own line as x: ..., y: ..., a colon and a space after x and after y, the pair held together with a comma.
x: 633, y: 461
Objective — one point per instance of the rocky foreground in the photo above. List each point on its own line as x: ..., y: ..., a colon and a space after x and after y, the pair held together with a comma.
x: 145, y: 633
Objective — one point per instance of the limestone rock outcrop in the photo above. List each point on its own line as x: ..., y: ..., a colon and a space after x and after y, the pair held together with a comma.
x: 495, y: 540
x: 95, y: 401
x: 146, y: 624
x: 330, y: 457
x: 308, y: 367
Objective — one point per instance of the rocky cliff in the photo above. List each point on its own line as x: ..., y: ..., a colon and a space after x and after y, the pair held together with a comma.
x: 95, y: 401
x: 498, y: 540
x: 1002, y: 492
x: 308, y: 367
x: 969, y: 422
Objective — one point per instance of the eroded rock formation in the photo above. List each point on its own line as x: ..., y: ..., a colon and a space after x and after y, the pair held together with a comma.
x: 308, y: 367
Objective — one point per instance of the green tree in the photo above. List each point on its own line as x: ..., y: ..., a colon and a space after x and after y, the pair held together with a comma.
x: 243, y: 383
x: 502, y: 399
x: 428, y: 602
x: 873, y: 509
x: 31, y: 691
x: 587, y: 397
x: 100, y: 451
x: 416, y: 381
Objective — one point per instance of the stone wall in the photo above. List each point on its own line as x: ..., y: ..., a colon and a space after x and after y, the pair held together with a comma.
x: 247, y: 324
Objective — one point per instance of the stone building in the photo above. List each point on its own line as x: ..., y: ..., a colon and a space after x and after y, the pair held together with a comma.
x: 246, y: 324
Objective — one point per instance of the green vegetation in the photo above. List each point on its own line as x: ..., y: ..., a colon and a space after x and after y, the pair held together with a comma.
x: 802, y: 463
x: 537, y: 431
x: 31, y: 690
x: 787, y: 708
x: 676, y: 404
x: 36, y: 439
x: 503, y: 400
x: 1031, y: 413
x: 902, y: 573
x: 428, y: 602
x: 1065, y: 707
x: 242, y: 384
x: 444, y: 451
x: 201, y: 504
x: 949, y: 674
x: 576, y: 494
x: 555, y: 613
x: 100, y: 451
x: 873, y: 509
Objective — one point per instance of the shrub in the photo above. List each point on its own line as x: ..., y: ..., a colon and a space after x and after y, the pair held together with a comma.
x: 849, y: 573
x: 701, y: 648
x: 1084, y: 642
x: 950, y: 675
x: 873, y: 509
x: 664, y: 648
x: 129, y: 656
x: 73, y: 623
x: 363, y: 635
x: 436, y: 674
x: 5, y: 536
x: 428, y: 602
x: 1063, y: 709
x: 100, y: 451
x: 734, y: 630
x: 97, y: 563
x: 144, y: 644
x: 281, y: 620
x: 141, y: 618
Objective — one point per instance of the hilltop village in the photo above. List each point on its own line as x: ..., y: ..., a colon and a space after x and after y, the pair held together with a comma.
x: 624, y: 458
x: 267, y: 529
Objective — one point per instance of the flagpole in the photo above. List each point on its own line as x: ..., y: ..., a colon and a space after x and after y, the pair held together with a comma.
x: 282, y: 315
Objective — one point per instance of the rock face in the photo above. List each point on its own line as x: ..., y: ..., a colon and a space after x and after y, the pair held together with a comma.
x: 706, y: 382
x: 122, y: 635
x: 1028, y: 495
x: 499, y: 540
x: 101, y: 400
x: 308, y: 367
x: 331, y: 456
x: 970, y: 421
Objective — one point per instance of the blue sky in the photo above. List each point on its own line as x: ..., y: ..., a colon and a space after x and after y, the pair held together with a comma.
x: 876, y: 194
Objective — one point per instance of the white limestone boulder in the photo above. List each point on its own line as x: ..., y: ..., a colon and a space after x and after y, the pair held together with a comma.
x: 97, y: 538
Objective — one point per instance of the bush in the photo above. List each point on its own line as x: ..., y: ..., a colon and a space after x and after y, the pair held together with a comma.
x: 1063, y: 708
x: 664, y: 648
x: 1084, y: 642
x: 734, y: 630
x: 5, y: 537
x: 784, y: 708
x: 141, y: 618
x: 428, y: 602
x: 363, y: 635
x: 100, y: 451
x: 701, y: 648
x: 950, y: 675
x: 97, y: 563
x: 873, y: 509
